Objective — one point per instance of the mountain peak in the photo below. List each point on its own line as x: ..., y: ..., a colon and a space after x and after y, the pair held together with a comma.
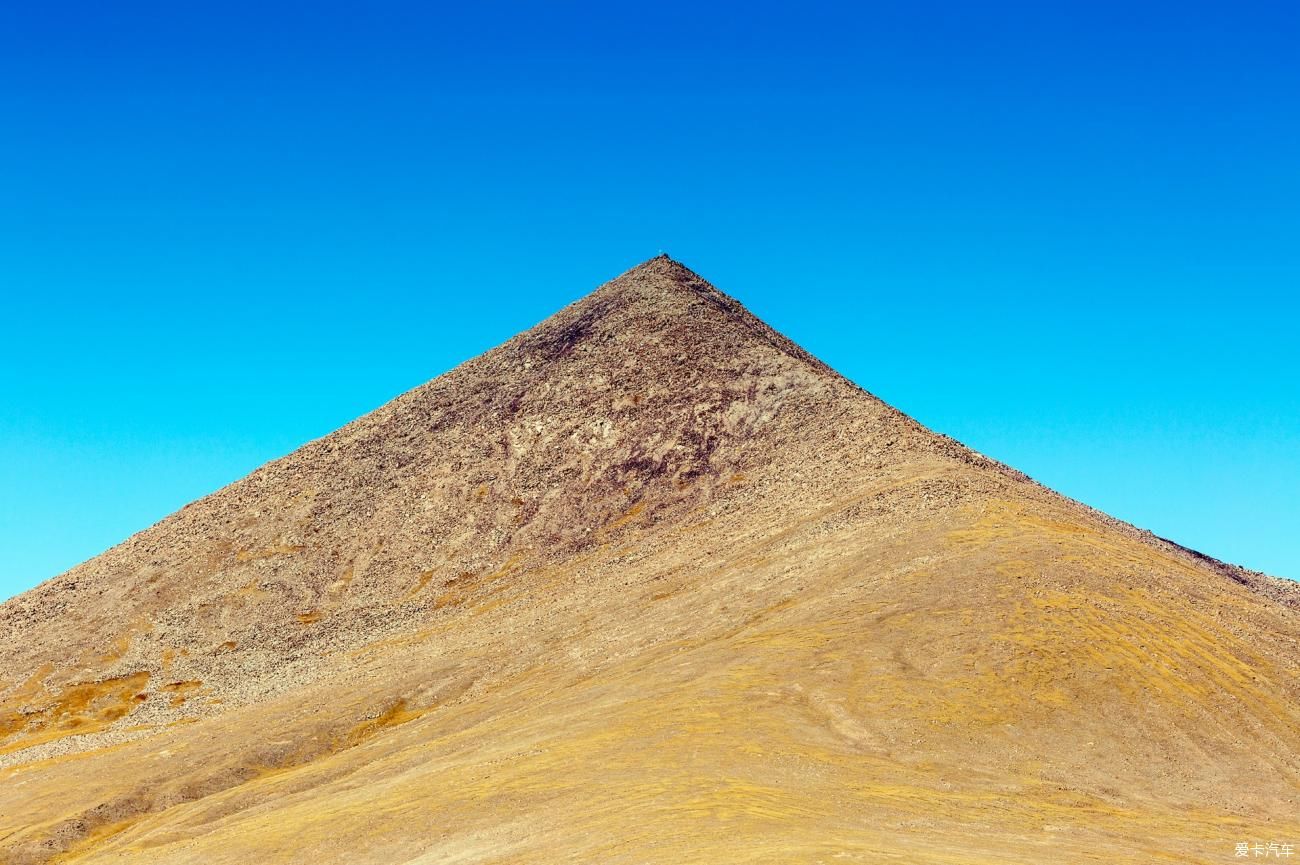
x: 663, y: 259
x: 661, y: 277
x: 662, y: 302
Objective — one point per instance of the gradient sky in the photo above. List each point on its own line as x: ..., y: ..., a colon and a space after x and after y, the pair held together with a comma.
x: 1067, y: 234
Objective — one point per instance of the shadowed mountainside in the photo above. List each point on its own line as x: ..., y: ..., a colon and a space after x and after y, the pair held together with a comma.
x: 646, y: 583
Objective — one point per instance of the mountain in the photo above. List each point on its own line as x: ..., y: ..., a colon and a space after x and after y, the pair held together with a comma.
x: 646, y: 584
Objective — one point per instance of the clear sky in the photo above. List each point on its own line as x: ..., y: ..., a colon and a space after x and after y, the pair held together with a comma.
x: 1067, y: 234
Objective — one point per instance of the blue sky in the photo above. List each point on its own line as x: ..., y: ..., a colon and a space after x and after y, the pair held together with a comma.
x: 1065, y: 234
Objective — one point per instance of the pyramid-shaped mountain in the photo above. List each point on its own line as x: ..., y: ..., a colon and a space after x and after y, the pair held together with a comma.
x: 646, y: 584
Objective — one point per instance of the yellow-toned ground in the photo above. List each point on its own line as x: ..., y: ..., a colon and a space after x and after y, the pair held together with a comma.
x: 806, y: 697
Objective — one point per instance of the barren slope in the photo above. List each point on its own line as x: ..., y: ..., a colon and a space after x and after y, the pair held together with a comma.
x: 647, y: 583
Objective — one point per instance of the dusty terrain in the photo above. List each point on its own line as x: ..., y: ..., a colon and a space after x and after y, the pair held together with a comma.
x: 646, y: 584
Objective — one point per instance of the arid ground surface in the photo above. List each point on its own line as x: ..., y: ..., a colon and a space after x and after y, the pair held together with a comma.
x: 646, y: 584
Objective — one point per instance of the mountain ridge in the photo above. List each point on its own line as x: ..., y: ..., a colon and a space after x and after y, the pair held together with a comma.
x: 683, y: 277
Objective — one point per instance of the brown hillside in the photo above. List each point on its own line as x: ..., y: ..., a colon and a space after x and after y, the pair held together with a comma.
x: 646, y: 584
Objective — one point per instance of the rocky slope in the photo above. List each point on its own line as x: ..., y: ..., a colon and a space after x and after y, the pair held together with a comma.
x: 646, y: 583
